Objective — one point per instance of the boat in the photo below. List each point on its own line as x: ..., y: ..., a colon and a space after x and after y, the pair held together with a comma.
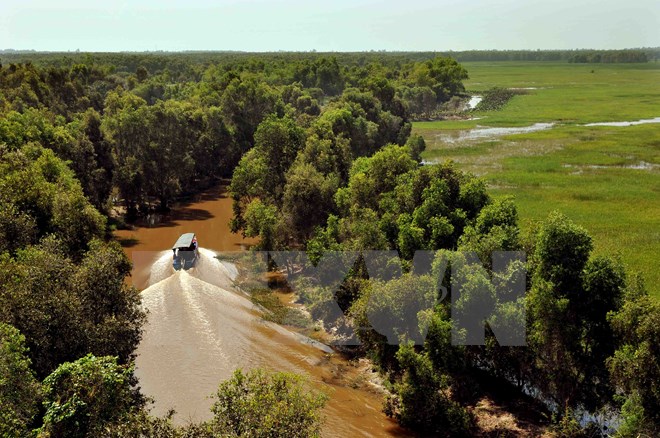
x: 185, y: 252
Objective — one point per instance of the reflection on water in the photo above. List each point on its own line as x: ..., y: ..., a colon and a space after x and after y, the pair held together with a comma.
x: 199, y: 330
x: 208, y: 216
x: 624, y: 123
x: 641, y: 165
x: 474, y: 101
x: 481, y: 133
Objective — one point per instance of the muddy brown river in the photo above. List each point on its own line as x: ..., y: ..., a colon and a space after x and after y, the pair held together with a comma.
x: 200, y: 329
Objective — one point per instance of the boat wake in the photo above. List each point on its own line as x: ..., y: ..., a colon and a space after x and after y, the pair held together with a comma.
x: 199, y: 331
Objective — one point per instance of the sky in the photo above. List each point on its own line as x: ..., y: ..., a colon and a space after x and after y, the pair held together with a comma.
x: 330, y: 25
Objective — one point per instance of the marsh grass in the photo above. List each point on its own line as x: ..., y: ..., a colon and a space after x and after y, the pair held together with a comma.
x: 585, y: 172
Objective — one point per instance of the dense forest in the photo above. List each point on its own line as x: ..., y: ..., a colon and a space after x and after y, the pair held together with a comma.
x: 179, y: 62
x: 321, y: 158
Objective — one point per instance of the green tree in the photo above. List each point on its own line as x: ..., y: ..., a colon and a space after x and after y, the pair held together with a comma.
x: 142, y: 73
x: 279, y: 140
x: 420, y: 101
x: 34, y: 182
x: 495, y: 229
x: 215, y: 154
x: 348, y: 120
x: 390, y: 312
x: 109, y: 308
x: 568, y: 303
x: 307, y: 200
x: 247, y: 184
x: 261, y: 404
x: 635, y: 366
x: 103, y: 172
x: 167, y: 160
x: 19, y: 390
x: 84, y: 397
x: 444, y: 76
x: 245, y: 103
x: 372, y: 177
x: 261, y: 220
x: 124, y: 125
x: 66, y: 311
x: 329, y: 156
x: 562, y: 251
x: 423, y: 398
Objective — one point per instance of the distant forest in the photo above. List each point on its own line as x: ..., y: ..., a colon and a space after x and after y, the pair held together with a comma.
x: 182, y: 61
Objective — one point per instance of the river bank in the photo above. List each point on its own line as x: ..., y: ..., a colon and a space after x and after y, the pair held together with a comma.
x: 200, y: 327
x: 204, y: 323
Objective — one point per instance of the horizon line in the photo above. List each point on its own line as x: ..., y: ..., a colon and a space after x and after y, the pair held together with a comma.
x: 77, y: 51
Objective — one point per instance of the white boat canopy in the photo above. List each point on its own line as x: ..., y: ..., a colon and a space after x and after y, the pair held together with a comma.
x: 184, y: 241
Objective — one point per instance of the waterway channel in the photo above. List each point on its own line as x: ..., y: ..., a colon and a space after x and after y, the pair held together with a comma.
x: 200, y: 329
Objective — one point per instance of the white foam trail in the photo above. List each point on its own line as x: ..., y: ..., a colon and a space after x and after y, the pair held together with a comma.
x: 211, y: 270
x: 161, y: 268
x: 199, y: 331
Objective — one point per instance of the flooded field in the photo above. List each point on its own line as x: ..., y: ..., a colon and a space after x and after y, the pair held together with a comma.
x: 580, y: 140
x: 200, y: 329
x: 455, y: 138
x: 626, y: 123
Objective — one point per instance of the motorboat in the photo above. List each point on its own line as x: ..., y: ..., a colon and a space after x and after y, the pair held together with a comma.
x: 185, y: 252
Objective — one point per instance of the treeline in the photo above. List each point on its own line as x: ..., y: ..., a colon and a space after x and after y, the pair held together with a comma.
x: 192, y: 63
x: 578, y: 55
x: 610, y: 56
x: 154, y: 137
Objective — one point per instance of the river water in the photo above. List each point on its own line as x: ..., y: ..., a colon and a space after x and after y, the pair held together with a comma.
x: 200, y: 329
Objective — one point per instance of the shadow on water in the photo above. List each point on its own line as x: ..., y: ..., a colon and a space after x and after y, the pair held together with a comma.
x: 175, y: 218
x: 206, y: 214
x: 128, y: 242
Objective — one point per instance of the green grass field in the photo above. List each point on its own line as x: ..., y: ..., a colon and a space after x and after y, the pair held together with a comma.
x: 605, y: 178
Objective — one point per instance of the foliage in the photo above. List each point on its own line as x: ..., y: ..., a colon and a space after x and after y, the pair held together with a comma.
x: 307, y: 200
x: 635, y: 366
x: 39, y: 195
x: 66, y: 311
x: 568, y: 304
x: 261, y: 221
x: 495, y: 99
x: 140, y: 424
x: 82, y: 398
x: 395, y: 308
x: 19, y: 390
x: 162, y: 149
x: 261, y: 404
x: 424, y: 402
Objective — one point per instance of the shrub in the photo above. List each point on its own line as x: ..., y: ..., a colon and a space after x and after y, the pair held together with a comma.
x: 261, y: 404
